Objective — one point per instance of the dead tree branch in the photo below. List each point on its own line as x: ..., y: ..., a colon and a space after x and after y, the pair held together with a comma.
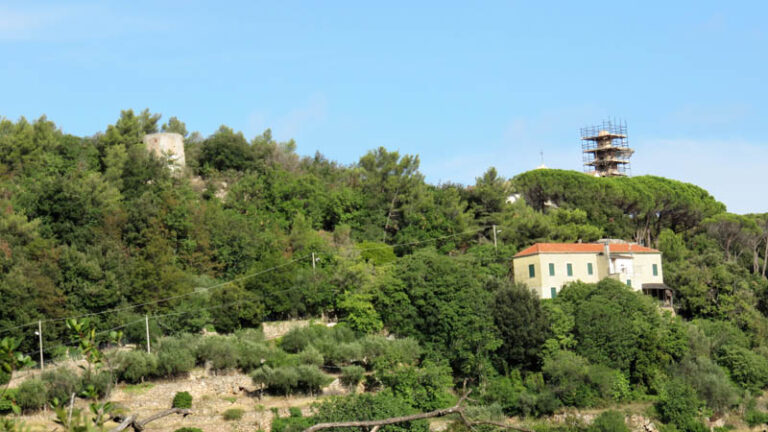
x: 139, y: 425
x: 376, y: 424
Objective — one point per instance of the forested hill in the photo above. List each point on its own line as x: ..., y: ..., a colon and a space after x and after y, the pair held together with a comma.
x: 95, y: 225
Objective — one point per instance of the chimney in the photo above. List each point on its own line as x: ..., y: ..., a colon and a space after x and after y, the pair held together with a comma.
x: 607, y: 250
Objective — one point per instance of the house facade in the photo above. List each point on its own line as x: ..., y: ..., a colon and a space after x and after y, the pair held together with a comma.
x: 547, y: 267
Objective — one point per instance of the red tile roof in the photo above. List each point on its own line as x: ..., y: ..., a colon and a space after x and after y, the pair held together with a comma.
x: 583, y: 248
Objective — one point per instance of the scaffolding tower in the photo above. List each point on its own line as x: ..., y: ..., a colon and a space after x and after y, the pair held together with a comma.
x: 605, y: 149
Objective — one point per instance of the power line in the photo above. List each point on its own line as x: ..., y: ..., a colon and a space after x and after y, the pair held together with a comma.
x: 197, y: 290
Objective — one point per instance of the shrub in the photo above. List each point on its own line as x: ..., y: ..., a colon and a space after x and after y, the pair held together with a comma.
x: 678, y: 404
x: 252, y: 355
x: 287, y: 379
x: 6, y: 400
x: 710, y: 382
x: 134, y: 366
x: 310, y: 356
x: 294, y: 423
x: 220, y: 351
x: 188, y: 429
x: 31, y: 395
x: 250, y: 335
x: 382, y: 353
x: 352, y: 375
x: 182, y: 400
x: 174, y: 358
x: 60, y: 384
x: 746, y: 367
x: 609, y: 421
x: 5, y: 377
x: 754, y: 417
x: 425, y: 388
x: 505, y: 391
x: 311, y: 378
x: 233, y: 414
x: 369, y: 407
x: 101, y: 382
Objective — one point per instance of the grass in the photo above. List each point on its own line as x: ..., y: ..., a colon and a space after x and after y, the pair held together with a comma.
x: 230, y: 399
x: 233, y: 414
x: 137, y: 389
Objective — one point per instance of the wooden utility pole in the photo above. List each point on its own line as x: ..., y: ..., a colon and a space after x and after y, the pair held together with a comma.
x: 40, y: 340
x: 146, y: 324
x: 494, y: 237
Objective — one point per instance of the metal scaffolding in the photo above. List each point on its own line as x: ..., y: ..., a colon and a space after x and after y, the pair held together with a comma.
x: 605, y: 149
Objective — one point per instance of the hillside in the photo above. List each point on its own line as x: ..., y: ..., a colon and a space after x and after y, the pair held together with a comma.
x: 100, y: 229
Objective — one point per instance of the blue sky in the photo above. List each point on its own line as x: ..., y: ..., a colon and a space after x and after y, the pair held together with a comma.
x: 464, y: 86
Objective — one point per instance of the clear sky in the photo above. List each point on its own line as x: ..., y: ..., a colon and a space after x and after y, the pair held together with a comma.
x: 466, y: 85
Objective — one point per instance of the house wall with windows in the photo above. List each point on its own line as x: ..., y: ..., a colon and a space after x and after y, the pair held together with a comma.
x: 547, y: 267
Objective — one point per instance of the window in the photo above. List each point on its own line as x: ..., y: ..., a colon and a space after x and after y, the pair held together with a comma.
x: 531, y: 271
x: 553, y: 292
x: 629, y: 283
x: 551, y: 269
x: 569, y: 268
x: 589, y: 269
x: 655, y: 269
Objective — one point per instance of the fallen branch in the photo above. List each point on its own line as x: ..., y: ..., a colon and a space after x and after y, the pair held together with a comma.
x: 139, y: 425
x: 376, y: 424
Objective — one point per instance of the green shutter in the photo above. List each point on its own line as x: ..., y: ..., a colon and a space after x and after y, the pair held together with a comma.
x: 589, y: 269
x: 655, y: 270
x: 629, y: 283
x: 531, y: 271
x: 551, y: 269
x: 569, y: 266
x: 553, y: 292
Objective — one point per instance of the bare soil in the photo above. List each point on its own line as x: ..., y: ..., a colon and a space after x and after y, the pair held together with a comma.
x: 212, y: 395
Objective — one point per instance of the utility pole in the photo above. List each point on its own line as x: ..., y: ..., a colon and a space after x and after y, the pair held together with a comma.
x: 146, y: 323
x: 40, y: 340
x: 494, y: 238
x: 313, y: 262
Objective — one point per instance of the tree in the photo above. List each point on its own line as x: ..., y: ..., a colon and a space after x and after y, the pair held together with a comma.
x: 440, y: 301
x: 227, y: 150
x: 522, y: 324
x: 175, y: 125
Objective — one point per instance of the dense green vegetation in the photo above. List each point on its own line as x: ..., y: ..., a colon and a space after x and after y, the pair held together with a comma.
x: 96, y: 225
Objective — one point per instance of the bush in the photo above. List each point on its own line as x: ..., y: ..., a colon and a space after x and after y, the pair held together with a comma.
x: 220, y: 351
x: 754, y: 417
x: 174, y: 358
x: 369, y: 407
x: 287, y: 379
x: 134, y: 366
x: 678, y: 404
x: 182, y: 400
x: 101, y: 382
x: 5, y: 377
x: 188, y: 429
x: 6, y: 400
x: 425, y: 388
x: 352, y: 375
x: 31, y: 395
x: 60, y: 384
x: 311, y: 356
x: 505, y: 391
x: 710, y: 382
x: 609, y: 421
x: 251, y: 354
x: 746, y: 367
x: 294, y: 423
x: 233, y: 414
